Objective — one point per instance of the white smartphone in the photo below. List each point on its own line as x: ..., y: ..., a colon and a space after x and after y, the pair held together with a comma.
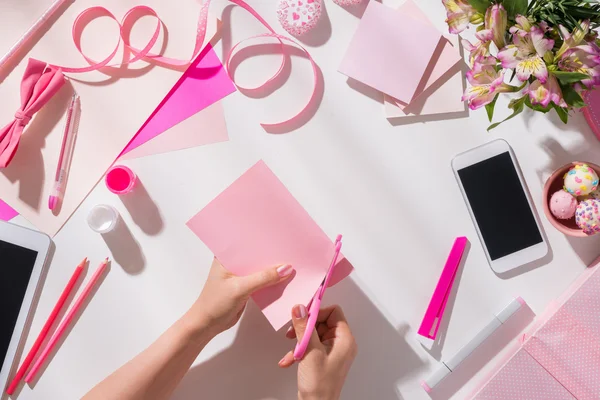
x: 500, y: 205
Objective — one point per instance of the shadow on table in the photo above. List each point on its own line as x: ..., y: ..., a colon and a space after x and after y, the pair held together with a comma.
x: 143, y: 210
x: 587, y: 249
x: 506, y: 335
x: 248, y: 369
x: 358, y: 9
x: 125, y: 250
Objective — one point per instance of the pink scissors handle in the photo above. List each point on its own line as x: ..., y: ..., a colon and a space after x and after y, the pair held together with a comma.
x: 315, y: 305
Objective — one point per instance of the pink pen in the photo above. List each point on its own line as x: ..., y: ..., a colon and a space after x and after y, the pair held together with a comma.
x: 315, y: 303
x: 66, y: 152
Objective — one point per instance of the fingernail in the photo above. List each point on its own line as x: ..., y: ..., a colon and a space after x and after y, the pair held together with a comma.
x: 299, y: 311
x: 281, y: 361
x: 285, y: 270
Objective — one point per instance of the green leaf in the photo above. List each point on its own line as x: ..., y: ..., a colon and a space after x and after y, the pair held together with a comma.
x: 570, y: 77
x: 562, y: 113
x: 480, y: 5
x: 537, y: 107
x: 517, y: 106
x: 515, y: 7
x: 490, y: 108
x: 571, y: 96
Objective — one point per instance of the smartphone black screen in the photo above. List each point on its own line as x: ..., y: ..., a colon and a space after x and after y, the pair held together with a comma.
x: 500, y: 206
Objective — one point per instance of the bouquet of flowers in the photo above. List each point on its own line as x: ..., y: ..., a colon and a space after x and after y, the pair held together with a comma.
x: 549, y: 46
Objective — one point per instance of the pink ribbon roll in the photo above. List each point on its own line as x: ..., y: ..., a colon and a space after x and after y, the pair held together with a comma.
x: 130, y: 18
x: 40, y: 82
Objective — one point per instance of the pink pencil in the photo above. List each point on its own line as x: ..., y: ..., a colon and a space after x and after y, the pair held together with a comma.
x: 44, y: 332
x: 66, y: 321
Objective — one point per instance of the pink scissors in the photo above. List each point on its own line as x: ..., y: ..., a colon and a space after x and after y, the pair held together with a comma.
x: 315, y: 304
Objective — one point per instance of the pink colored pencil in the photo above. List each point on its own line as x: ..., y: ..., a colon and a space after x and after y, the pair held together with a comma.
x: 44, y: 332
x: 60, y: 331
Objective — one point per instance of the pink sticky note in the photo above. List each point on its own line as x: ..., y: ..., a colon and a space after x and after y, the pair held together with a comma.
x: 6, y: 212
x: 202, y: 84
x: 205, y: 127
x: 256, y: 223
x: 442, y: 68
x: 390, y: 51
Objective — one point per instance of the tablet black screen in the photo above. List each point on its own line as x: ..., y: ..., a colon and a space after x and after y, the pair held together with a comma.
x: 16, y: 266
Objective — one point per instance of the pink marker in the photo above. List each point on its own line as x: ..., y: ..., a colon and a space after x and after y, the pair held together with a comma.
x: 431, y: 321
x: 66, y: 152
x: 120, y: 179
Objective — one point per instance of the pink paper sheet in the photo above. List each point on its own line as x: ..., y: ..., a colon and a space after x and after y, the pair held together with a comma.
x: 6, y: 212
x: 438, y: 71
x: 202, y: 84
x: 205, y: 127
x: 390, y: 51
x: 565, y: 343
x: 256, y: 223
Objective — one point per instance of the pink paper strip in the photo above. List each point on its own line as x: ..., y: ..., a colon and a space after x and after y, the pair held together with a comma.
x: 256, y: 223
x: 6, y: 212
x: 203, y: 83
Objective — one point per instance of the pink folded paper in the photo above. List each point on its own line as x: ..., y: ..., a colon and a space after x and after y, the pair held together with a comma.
x: 39, y: 84
x: 203, y: 83
x: 564, y: 347
x: 390, y: 51
x: 256, y: 223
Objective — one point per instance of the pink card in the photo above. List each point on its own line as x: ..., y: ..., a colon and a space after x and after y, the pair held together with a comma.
x: 205, y: 127
x: 390, y: 51
x: 6, y: 212
x: 442, y: 67
x: 256, y: 223
x: 523, y: 378
x: 203, y: 83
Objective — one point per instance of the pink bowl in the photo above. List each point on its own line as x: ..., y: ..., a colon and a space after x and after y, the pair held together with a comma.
x: 554, y: 184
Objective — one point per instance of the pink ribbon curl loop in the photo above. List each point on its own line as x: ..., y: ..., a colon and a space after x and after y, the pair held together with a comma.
x: 39, y: 84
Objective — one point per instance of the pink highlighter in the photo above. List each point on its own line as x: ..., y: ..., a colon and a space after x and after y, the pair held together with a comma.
x: 315, y: 304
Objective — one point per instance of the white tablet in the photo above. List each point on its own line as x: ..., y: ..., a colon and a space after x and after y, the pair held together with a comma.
x: 500, y: 205
x: 23, y: 256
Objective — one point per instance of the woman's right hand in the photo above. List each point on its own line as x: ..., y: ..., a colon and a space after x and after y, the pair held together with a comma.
x: 330, y: 353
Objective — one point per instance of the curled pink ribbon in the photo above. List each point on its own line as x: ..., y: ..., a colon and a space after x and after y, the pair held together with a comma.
x: 40, y: 82
x: 133, y: 15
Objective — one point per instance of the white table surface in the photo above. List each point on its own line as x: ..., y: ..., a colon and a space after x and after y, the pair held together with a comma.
x: 388, y: 188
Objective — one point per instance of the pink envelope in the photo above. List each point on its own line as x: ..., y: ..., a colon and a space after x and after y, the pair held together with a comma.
x: 203, y: 83
x: 390, y: 51
x: 256, y: 223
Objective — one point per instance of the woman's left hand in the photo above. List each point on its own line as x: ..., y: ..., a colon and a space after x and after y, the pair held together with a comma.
x: 225, y: 295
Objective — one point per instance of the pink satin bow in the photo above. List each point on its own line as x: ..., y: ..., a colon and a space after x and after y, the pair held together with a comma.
x: 40, y: 82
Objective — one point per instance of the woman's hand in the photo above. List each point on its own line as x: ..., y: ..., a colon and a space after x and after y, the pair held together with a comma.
x: 225, y: 295
x: 330, y: 353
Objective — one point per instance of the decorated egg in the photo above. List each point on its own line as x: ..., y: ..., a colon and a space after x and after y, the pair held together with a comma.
x: 587, y: 216
x: 581, y: 180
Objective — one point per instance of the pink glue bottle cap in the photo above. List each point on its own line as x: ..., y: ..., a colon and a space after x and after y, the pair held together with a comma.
x: 120, y: 179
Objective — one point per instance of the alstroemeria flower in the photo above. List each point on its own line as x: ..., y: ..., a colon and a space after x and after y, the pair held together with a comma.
x: 458, y: 14
x: 544, y: 93
x: 574, y: 39
x: 526, y: 55
x: 522, y: 27
x: 481, y: 49
x: 485, y: 83
x: 584, y: 59
x: 496, y: 20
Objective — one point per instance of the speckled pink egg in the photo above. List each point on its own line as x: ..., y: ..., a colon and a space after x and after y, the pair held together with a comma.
x: 563, y: 205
